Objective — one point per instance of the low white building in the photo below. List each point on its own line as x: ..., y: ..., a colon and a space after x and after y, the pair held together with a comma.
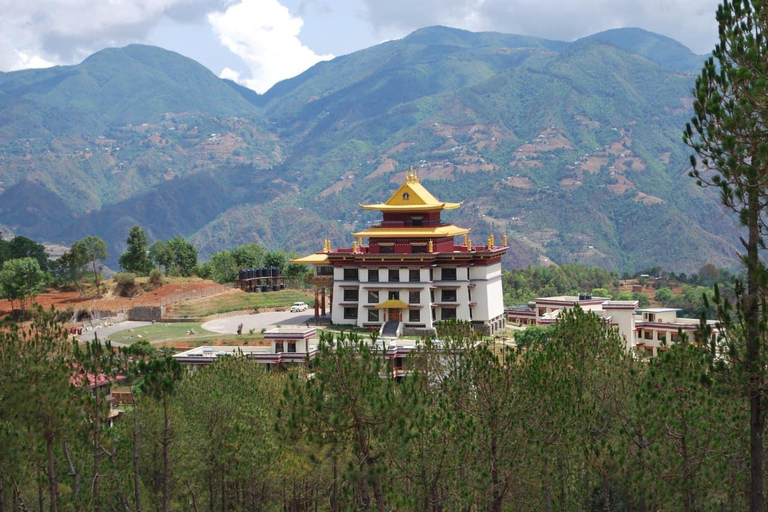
x: 287, y: 345
x: 647, y: 330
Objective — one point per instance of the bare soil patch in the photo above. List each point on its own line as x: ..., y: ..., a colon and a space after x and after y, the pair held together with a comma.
x: 622, y: 185
x: 623, y: 164
x: 594, y: 164
x: 336, y: 187
x: 519, y: 182
x: 476, y: 167
x: 170, y: 292
x: 642, y: 197
x: 388, y: 165
x: 570, y: 183
x: 398, y: 148
x: 616, y: 148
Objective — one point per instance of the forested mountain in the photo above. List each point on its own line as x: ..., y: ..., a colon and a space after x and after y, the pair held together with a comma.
x: 572, y: 149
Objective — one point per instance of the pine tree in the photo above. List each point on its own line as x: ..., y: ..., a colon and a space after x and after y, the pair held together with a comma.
x: 159, y: 377
x: 729, y: 134
x: 351, y: 401
x: 136, y: 257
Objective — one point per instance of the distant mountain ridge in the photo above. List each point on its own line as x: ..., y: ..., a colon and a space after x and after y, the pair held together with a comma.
x: 572, y: 149
x: 660, y: 49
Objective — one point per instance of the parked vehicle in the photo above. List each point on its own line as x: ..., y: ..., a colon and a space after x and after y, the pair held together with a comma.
x: 299, y: 306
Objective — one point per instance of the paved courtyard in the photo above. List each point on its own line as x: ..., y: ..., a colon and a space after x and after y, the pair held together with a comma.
x: 259, y: 321
x: 104, y: 332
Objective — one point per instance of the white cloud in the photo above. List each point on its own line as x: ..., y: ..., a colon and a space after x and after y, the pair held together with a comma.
x: 230, y: 74
x: 264, y: 34
x: 40, y: 33
x: 690, y: 22
x: 25, y: 60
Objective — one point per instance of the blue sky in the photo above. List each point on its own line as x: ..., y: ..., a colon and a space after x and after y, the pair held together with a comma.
x: 259, y: 42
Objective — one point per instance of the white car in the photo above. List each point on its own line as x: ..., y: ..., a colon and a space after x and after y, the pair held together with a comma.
x: 299, y: 306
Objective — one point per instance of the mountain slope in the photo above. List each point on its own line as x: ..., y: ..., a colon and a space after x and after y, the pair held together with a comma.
x: 572, y: 149
x: 121, y: 123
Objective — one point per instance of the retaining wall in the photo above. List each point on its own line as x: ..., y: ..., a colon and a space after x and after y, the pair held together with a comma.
x: 146, y: 313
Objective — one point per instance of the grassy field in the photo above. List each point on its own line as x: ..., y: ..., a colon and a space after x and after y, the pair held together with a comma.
x: 238, y: 301
x: 177, y: 332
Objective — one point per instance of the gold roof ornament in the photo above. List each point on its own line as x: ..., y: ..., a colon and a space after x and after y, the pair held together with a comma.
x: 430, y: 247
x: 505, y: 240
x: 469, y: 244
x: 465, y: 239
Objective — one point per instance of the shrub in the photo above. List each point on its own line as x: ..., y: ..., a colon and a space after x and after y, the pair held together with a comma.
x: 125, y: 278
x: 156, y: 277
x: 126, y: 283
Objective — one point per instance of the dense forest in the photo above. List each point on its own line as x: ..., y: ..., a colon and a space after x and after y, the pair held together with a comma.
x: 570, y: 422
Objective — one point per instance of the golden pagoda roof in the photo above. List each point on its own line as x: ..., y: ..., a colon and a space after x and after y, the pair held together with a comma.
x: 411, y: 196
x: 391, y: 304
x: 313, y: 259
x: 436, y: 232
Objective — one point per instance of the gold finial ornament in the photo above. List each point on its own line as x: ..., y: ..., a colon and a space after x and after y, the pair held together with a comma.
x: 430, y: 247
x: 465, y: 239
x: 354, y: 246
x: 489, y: 243
x: 469, y: 244
x: 411, y: 177
x: 505, y: 241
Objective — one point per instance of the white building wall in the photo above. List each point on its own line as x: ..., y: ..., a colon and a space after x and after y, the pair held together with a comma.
x: 339, y: 285
x: 488, y: 292
x: 624, y: 319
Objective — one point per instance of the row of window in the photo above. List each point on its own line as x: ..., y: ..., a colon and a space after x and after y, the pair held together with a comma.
x: 414, y: 315
x: 662, y: 336
x: 414, y: 296
x: 280, y: 348
x: 393, y: 275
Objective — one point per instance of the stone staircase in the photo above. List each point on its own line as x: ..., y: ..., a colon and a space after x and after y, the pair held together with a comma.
x: 390, y: 330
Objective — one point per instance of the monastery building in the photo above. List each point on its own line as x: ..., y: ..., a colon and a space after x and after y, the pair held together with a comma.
x: 411, y: 273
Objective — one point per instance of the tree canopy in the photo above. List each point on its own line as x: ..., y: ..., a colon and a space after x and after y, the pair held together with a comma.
x: 136, y: 257
x: 21, y: 279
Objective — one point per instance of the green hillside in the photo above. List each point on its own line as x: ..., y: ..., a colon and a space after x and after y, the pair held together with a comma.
x: 572, y: 149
